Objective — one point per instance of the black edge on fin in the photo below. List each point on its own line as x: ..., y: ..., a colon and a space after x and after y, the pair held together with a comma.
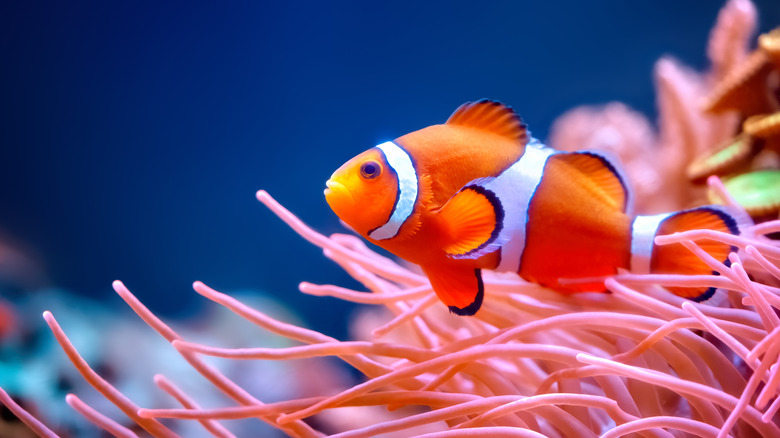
x: 733, y: 227
x: 728, y: 219
x: 498, y: 210
x: 706, y: 295
x: 607, y: 160
x: 472, y: 308
x: 482, y: 111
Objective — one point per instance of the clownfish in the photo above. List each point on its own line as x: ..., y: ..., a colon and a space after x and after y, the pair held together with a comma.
x: 478, y: 192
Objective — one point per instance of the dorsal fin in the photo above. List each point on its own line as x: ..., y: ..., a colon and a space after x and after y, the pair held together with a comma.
x: 603, y: 174
x: 492, y: 116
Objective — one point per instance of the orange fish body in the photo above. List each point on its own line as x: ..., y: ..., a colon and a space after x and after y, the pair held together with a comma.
x: 479, y: 193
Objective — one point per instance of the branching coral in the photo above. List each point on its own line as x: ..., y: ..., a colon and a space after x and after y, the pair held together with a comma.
x: 530, y: 363
x: 750, y: 159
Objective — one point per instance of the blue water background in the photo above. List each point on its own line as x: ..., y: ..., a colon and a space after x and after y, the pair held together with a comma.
x: 134, y: 134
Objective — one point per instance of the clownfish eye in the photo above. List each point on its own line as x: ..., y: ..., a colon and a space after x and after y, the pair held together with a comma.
x: 370, y: 170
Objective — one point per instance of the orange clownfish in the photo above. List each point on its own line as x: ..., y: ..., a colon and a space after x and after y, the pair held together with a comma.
x: 478, y: 192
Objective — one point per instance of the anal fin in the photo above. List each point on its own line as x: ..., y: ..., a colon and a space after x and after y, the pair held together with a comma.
x: 460, y: 289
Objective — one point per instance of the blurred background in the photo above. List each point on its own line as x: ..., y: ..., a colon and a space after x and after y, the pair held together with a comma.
x: 135, y: 134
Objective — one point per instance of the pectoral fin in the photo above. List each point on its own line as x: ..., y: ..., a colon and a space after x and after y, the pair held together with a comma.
x: 473, y: 219
x: 459, y: 289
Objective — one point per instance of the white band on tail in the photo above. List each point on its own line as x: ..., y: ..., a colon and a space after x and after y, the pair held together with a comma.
x: 642, y: 235
x: 401, y: 163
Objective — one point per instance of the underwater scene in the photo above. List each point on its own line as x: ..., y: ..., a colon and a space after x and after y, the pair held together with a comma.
x: 399, y: 219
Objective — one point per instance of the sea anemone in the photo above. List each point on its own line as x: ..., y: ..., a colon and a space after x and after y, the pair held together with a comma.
x: 530, y: 363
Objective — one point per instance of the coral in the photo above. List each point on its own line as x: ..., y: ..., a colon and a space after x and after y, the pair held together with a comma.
x: 750, y: 161
x: 656, y: 162
x: 723, y: 122
x: 530, y: 363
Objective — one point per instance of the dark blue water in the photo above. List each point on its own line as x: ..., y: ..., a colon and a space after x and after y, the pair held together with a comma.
x: 135, y: 134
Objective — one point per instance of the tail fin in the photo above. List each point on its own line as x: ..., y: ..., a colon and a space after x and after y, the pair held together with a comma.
x: 675, y: 258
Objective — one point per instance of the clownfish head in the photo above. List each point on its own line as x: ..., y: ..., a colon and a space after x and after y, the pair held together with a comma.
x: 364, y: 192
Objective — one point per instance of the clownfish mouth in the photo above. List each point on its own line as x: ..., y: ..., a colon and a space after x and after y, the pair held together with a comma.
x: 337, y: 193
